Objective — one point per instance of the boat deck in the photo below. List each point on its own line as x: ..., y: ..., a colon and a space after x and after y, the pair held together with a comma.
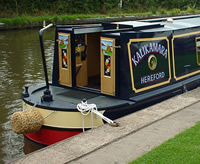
x: 65, y: 99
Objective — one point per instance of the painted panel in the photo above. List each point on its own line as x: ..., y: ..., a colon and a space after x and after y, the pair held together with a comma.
x: 149, y: 60
x: 198, y: 50
x: 63, y: 41
x: 63, y: 45
x: 184, y: 55
x: 64, y: 58
x: 107, y: 51
x: 107, y: 65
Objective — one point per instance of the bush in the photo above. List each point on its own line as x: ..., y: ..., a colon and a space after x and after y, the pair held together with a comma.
x: 175, y: 11
x: 162, y: 11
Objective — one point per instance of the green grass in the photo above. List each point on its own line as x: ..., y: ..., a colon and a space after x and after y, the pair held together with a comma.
x: 182, y: 149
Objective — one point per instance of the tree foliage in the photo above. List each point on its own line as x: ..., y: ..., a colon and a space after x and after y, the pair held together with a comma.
x: 42, y: 7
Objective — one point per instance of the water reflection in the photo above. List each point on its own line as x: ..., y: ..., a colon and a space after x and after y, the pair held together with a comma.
x: 20, y: 64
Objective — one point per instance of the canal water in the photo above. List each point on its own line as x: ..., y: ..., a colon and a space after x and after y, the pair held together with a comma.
x: 20, y: 64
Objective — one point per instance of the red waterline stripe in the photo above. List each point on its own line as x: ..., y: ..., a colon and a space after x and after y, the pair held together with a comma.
x: 49, y: 136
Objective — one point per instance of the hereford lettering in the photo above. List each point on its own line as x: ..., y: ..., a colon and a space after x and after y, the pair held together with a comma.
x: 152, y: 77
x: 148, y: 49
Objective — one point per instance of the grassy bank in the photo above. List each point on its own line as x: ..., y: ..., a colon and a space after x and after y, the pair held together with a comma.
x: 184, y: 148
x: 32, y: 21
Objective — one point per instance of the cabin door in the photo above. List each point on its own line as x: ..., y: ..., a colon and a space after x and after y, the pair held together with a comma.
x: 64, y: 52
x: 107, y: 66
x: 87, y: 52
x: 81, y: 59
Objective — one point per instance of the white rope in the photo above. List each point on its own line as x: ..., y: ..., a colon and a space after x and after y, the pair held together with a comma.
x: 31, y: 108
x: 36, y: 122
x: 86, y: 108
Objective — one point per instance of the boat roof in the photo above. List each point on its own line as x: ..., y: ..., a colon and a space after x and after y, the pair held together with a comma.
x: 148, y: 25
x: 162, y: 24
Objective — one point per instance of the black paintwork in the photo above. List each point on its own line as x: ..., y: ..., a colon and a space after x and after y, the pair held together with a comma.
x: 126, y: 100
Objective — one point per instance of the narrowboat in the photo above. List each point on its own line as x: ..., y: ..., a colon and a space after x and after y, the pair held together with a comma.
x: 102, y: 72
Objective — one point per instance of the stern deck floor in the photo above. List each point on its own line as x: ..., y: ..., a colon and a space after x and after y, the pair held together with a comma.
x: 67, y: 99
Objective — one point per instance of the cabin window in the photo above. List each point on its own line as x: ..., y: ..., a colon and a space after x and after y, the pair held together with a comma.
x: 198, y: 50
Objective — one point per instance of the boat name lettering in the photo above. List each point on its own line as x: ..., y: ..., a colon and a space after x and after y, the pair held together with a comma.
x: 152, y: 77
x: 148, y: 49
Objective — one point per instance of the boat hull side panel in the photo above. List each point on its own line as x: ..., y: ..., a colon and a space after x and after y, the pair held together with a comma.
x: 66, y: 119
x: 137, y: 66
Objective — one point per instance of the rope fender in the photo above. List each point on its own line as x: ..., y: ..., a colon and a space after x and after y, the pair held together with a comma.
x: 27, y: 121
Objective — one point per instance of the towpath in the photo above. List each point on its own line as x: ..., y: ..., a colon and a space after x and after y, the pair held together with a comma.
x: 137, y: 134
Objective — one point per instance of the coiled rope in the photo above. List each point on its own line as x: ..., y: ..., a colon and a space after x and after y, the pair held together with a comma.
x: 86, y: 109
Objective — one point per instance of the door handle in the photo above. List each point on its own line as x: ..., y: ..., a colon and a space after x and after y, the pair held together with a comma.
x: 116, y: 46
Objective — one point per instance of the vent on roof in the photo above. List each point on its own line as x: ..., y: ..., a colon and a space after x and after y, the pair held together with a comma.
x: 170, y: 20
